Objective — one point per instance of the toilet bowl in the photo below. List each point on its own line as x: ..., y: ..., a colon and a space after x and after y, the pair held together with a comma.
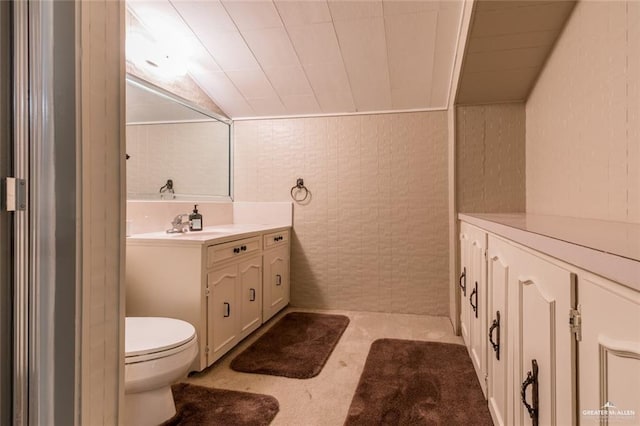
x: 158, y: 351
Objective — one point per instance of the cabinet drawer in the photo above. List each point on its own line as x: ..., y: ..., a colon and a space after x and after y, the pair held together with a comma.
x: 232, y: 250
x: 276, y: 239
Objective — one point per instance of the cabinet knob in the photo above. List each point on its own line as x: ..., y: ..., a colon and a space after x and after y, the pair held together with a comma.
x: 243, y: 248
x: 236, y: 249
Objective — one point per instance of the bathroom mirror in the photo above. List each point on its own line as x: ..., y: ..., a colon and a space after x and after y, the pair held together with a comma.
x: 175, y: 150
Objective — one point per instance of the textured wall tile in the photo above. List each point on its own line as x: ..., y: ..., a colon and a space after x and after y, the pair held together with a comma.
x: 374, y: 235
x: 582, y: 118
x: 490, y: 158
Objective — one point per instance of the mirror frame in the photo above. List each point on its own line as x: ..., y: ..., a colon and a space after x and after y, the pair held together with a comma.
x: 191, y: 105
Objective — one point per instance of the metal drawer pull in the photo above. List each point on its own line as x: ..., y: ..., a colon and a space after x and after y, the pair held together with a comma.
x: 252, y: 297
x: 532, y: 379
x: 278, y: 279
x: 227, y: 308
x: 243, y: 248
x: 463, y: 281
x: 474, y: 305
x: 495, y: 325
x: 236, y: 250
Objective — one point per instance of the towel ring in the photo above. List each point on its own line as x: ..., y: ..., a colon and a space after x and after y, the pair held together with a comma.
x: 300, y: 187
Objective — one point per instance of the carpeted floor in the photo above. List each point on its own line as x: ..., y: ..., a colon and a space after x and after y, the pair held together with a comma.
x: 407, y: 382
x: 297, y: 346
x: 197, y: 406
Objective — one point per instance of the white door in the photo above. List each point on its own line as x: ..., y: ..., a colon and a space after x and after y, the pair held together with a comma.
x: 498, y: 384
x: 609, y: 352
x: 251, y: 297
x: 543, y: 299
x: 222, y: 310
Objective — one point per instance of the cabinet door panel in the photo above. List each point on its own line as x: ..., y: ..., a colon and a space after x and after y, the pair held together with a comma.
x: 498, y: 354
x: 543, y: 305
x: 464, y: 282
x: 477, y: 313
x: 276, y: 281
x: 251, y: 294
x: 223, y: 309
x: 609, y: 351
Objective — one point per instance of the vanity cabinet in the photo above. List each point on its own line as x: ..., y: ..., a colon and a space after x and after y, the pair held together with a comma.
x: 276, y: 282
x: 561, y: 342
x: 217, y: 287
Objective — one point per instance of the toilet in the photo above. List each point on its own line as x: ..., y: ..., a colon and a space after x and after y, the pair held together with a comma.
x: 158, y: 352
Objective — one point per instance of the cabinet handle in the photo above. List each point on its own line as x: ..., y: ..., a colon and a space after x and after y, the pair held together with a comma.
x: 252, y: 297
x: 463, y: 281
x: 243, y: 248
x: 532, y: 379
x: 278, y: 279
x: 227, y: 309
x: 474, y: 294
x: 236, y: 250
x: 495, y: 325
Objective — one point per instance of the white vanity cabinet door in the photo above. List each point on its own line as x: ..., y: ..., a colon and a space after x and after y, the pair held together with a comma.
x: 540, y: 301
x: 223, y: 311
x: 275, y: 281
x: 250, y: 274
x: 499, y: 380
x: 609, y: 352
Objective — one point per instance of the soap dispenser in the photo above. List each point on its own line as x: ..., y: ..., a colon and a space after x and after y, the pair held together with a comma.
x: 195, y: 220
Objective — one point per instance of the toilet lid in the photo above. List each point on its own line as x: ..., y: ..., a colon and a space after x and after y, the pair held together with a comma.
x: 144, y: 335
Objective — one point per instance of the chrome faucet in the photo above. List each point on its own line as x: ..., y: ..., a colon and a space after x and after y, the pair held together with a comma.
x: 178, y: 225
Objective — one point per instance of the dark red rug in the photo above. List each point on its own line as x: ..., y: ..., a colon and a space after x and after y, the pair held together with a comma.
x: 198, y: 405
x: 406, y: 382
x: 297, y: 346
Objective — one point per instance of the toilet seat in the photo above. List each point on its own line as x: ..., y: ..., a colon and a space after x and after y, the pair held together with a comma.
x: 150, y: 338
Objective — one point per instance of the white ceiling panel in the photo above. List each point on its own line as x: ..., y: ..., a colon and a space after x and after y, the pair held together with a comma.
x: 316, y: 43
x: 411, y: 40
x: 446, y: 40
x: 204, y: 16
x: 293, y: 57
x: 267, y: 106
x: 252, y: 83
x: 404, y: 7
x: 301, y: 13
x: 253, y: 15
x: 289, y: 81
x: 364, y: 51
x: 271, y: 47
x: 229, y: 50
x: 297, y: 105
x: 355, y: 9
x: 222, y: 90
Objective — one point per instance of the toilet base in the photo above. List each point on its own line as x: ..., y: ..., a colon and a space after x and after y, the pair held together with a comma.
x: 149, y: 408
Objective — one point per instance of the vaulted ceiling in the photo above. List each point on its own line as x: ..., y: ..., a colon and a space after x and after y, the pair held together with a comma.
x: 296, y: 57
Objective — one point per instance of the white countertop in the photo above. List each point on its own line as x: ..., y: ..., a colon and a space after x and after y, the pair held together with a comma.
x: 610, y: 249
x: 209, y: 235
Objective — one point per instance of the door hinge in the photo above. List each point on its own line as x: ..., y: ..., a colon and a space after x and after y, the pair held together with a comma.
x: 207, y: 292
x: 14, y: 194
x: 575, y: 323
x: 206, y: 349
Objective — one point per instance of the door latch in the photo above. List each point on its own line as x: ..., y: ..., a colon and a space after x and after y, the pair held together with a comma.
x: 14, y: 194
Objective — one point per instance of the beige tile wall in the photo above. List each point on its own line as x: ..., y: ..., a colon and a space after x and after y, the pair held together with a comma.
x: 583, y: 118
x: 194, y: 155
x: 490, y: 158
x: 374, y: 235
